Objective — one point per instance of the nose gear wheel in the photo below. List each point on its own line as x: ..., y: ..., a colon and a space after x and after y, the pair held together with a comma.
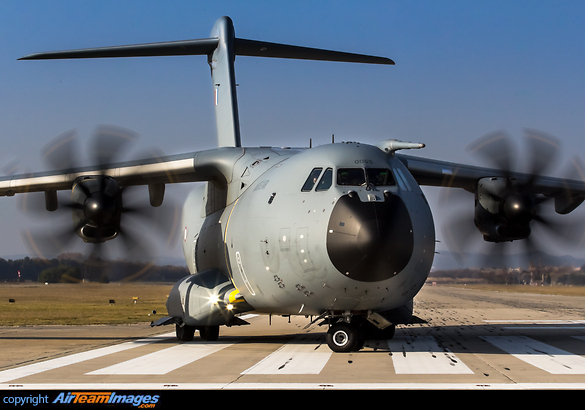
x: 343, y: 337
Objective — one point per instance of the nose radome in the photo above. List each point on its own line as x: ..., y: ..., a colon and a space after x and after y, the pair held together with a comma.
x: 370, y: 241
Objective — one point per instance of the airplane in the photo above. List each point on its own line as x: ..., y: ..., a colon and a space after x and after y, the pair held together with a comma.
x: 341, y: 232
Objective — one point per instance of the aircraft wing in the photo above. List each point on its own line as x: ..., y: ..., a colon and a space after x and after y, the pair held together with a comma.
x: 211, y: 165
x: 567, y: 193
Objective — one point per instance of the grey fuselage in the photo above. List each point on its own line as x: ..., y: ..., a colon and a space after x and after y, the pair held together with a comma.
x: 299, y: 236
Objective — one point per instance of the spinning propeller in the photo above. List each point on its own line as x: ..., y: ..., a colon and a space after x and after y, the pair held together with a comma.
x: 101, y: 208
x: 508, y: 206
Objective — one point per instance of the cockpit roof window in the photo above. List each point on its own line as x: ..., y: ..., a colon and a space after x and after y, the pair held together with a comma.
x: 311, y: 180
x: 359, y: 176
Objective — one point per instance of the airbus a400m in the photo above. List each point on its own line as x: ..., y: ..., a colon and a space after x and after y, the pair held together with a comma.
x: 341, y: 232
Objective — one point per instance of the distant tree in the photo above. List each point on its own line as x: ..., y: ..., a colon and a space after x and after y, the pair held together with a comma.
x: 61, y: 274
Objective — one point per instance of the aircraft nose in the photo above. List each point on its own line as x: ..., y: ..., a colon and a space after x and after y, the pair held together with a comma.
x: 370, y: 241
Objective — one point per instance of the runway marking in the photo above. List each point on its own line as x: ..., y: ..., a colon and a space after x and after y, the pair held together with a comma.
x: 534, y: 324
x: 309, y: 354
x: 292, y: 386
x: 28, y: 370
x: 164, y: 361
x: 303, y: 355
x: 536, y: 321
x: 423, y: 355
x: 538, y: 354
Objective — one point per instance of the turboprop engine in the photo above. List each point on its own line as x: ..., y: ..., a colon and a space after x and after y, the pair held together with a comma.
x: 97, y: 208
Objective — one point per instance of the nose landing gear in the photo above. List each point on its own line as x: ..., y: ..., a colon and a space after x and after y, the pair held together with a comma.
x: 344, y: 337
x: 350, y: 337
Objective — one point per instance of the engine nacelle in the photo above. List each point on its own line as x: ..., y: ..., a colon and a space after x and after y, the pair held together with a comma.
x: 501, y: 213
x: 97, y: 208
x: 206, y: 298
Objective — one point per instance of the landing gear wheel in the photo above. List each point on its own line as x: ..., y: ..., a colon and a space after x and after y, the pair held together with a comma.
x: 185, y: 333
x: 209, y: 333
x: 343, y: 337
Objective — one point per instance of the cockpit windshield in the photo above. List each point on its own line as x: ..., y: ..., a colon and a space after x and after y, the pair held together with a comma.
x: 351, y: 176
x: 361, y: 176
x: 322, y: 181
x: 380, y: 176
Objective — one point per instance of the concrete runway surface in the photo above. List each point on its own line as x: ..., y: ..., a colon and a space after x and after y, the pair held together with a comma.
x: 472, y: 340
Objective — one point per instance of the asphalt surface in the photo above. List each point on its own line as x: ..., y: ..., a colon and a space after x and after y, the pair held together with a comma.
x: 471, y: 340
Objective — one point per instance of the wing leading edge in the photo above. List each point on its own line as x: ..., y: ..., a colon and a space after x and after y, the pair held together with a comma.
x: 212, y: 165
x: 568, y: 194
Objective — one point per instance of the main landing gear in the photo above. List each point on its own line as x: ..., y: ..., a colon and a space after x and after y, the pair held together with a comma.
x: 350, y: 337
x: 186, y: 333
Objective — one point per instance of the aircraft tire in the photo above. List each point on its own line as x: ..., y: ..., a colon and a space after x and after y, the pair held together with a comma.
x: 185, y: 333
x: 343, y: 337
x: 209, y: 333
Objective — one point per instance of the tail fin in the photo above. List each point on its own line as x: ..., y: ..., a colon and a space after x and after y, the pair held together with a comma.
x: 221, y: 50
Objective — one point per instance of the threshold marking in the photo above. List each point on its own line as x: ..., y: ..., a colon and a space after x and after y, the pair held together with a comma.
x: 164, y: 361
x: 303, y: 355
x: 423, y: 355
x: 546, y: 357
x: 34, y: 368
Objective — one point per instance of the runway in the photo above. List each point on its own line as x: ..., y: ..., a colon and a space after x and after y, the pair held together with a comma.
x: 472, y: 340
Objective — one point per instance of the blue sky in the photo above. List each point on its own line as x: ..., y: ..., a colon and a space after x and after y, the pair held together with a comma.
x: 463, y: 69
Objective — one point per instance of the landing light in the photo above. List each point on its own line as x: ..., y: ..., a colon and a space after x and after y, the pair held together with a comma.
x: 214, y: 299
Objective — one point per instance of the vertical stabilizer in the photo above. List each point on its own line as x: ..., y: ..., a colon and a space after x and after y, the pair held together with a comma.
x: 221, y: 62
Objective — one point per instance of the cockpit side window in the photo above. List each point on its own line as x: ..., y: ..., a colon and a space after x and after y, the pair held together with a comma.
x: 311, y: 180
x: 351, y: 176
x: 325, y: 181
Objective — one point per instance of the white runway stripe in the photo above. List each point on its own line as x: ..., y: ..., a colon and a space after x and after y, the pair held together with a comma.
x: 309, y: 354
x: 164, y: 361
x: 19, y: 372
x: 303, y: 355
x: 539, y: 322
x: 423, y: 355
x: 541, y: 355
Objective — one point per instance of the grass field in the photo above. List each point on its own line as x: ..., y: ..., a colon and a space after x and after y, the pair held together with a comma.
x: 89, y: 303
x: 81, y: 303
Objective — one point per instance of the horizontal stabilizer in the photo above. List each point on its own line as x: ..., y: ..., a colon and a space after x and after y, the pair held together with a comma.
x: 173, y: 48
x: 264, y: 49
x: 206, y: 46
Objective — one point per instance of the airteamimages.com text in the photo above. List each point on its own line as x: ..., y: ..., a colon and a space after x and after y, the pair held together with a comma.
x: 81, y: 398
